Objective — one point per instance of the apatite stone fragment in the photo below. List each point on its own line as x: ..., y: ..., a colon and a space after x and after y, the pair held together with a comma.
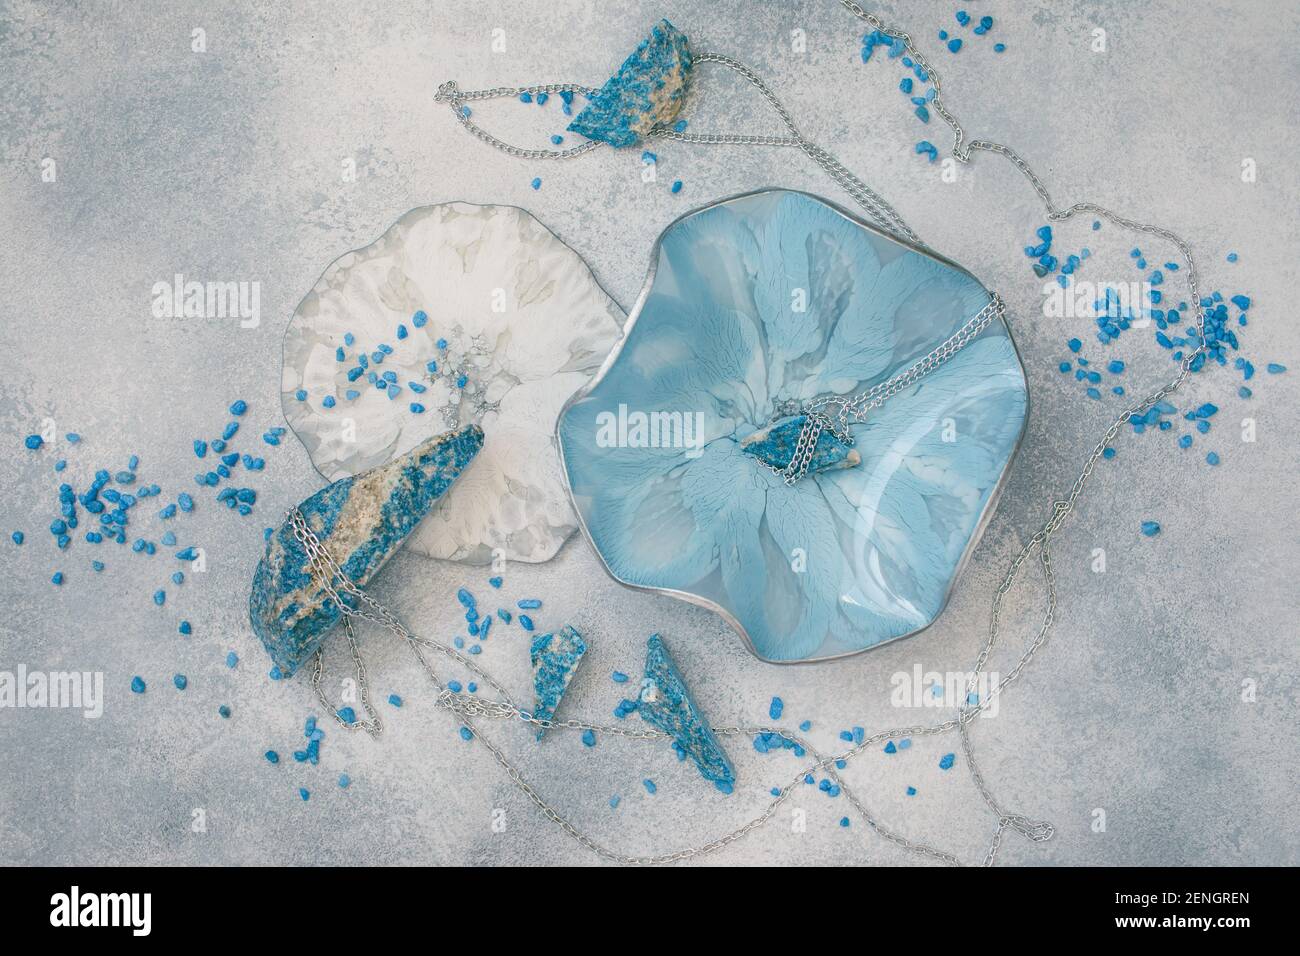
x: 666, y: 705
x: 361, y: 521
x: 555, y: 657
x: 648, y: 89
x: 775, y: 445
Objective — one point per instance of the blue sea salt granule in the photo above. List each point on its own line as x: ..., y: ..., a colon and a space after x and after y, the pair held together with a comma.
x: 554, y: 657
x: 666, y: 705
x: 362, y: 520
x: 776, y: 708
x: 137, y: 685
x: 648, y: 89
x: 946, y: 761
x: 181, y: 681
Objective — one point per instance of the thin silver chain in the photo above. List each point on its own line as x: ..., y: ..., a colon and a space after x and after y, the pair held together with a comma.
x: 468, y: 706
x: 852, y: 411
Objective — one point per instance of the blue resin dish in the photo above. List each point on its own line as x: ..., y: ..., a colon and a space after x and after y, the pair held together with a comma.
x: 754, y: 301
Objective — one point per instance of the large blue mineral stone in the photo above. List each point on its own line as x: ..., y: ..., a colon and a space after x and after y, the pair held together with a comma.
x: 361, y: 521
x: 648, y: 89
x: 666, y: 705
x: 555, y: 657
x: 775, y: 445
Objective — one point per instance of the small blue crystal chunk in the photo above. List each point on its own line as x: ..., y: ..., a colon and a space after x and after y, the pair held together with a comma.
x: 361, y: 521
x: 648, y: 89
x: 775, y: 445
x: 555, y: 657
x: 666, y: 705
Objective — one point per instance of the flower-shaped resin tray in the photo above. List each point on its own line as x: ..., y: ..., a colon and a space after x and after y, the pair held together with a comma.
x: 774, y: 297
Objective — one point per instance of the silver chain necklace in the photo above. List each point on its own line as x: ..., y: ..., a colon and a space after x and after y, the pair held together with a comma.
x: 355, y: 603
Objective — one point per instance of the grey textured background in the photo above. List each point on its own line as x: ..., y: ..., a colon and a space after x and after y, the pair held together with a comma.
x: 225, y: 165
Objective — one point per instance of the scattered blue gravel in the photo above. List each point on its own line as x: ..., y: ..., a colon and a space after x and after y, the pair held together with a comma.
x: 844, y: 821
x: 649, y: 786
x: 34, y: 442
x: 137, y: 685
x: 304, y: 793
x: 589, y: 738
x: 946, y: 761
x: 618, y: 677
x: 677, y: 186
x: 185, y: 628
x: 466, y: 733
x: 1150, y: 528
x: 181, y: 681
x: 537, y: 182
x: 1212, y: 458
x: 395, y: 700
x: 776, y: 708
x: 272, y: 756
x: 344, y: 781
x: 232, y: 659
x: 17, y: 537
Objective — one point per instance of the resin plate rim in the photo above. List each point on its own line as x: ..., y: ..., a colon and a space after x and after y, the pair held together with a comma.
x: 981, y: 523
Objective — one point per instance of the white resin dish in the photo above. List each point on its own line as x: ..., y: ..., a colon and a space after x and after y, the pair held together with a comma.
x: 516, y: 323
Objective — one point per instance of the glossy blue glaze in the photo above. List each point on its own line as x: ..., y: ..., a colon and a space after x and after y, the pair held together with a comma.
x: 555, y: 657
x: 666, y: 705
x: 649, y: 88
x: 362, y: 520
x: 778, y: 296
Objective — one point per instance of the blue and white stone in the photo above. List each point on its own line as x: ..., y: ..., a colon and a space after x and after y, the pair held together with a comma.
x: 555, y: 658
x: 666, y: 705
x: 775, y: 445
x: 362, y: 522
x: 522, y: 318
x: 649, y: 89
x: 763, y: 302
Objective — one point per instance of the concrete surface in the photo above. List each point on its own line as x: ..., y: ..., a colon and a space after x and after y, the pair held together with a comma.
x: 228, y: 164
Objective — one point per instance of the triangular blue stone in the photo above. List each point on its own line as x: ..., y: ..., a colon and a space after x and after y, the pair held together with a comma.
x: 555, y: 657
x: 362, y: 521
x: 648, y: 89
x: 666, y: 705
